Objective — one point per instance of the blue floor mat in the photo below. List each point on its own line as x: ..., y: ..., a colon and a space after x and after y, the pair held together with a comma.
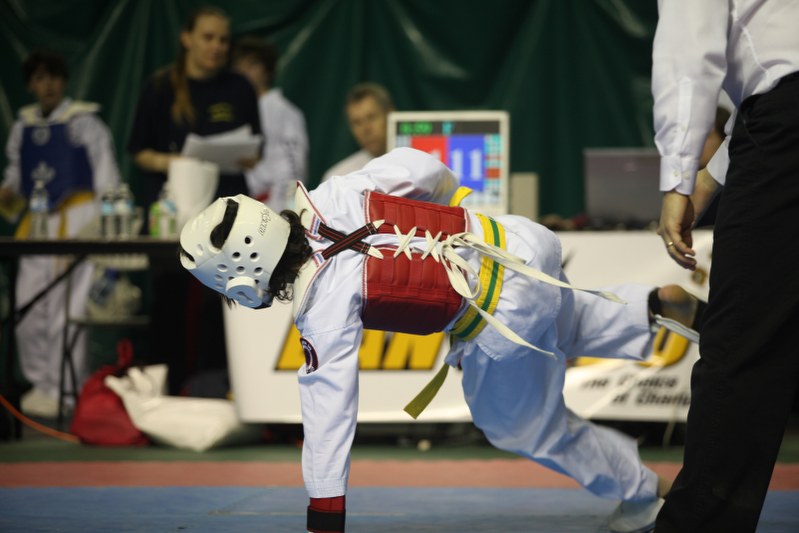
x: 371, y: 510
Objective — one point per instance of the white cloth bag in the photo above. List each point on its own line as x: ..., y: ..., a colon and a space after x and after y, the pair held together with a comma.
x: 196, y: 424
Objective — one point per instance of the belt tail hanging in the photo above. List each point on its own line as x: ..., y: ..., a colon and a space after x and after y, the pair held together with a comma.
x: 426, y: 395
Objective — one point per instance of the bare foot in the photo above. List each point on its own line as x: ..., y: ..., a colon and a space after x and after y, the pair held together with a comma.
x: 678, y: 304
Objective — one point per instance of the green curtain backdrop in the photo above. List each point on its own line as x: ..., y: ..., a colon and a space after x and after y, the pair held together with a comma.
x: 571, y: 73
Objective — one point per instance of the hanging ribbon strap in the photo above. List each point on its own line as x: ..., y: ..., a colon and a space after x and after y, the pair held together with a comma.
x: 459, y: 272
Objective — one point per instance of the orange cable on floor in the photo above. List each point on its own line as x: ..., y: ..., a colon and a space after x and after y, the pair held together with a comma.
x: 37, y: 426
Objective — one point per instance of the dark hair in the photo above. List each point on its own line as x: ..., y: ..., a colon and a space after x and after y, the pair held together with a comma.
x: 261, y: 50
x: 45, y: 58
x: 375, y: 90
x: 182, y: 109
x: 294, y: 256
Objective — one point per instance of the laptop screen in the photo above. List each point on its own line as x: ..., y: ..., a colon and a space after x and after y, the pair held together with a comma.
x: 622, y: 187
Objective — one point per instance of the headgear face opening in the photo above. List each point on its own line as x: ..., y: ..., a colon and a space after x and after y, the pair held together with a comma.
x: 242, y: 267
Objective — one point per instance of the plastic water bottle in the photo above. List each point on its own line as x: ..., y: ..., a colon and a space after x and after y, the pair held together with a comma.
x: 123, y: 209
x: 107, y: 218
x: 40, y: 209
x: 163, y: 216
x: 169, y: 215
x: 154, y: 218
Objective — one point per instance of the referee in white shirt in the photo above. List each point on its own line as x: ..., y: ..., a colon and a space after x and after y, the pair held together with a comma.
x: 745, y: 383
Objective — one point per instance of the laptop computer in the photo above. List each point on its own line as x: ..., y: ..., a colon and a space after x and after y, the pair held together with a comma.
x: 622, y: 187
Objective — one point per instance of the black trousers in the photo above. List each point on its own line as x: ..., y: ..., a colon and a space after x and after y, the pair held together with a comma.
x: 744, y: 384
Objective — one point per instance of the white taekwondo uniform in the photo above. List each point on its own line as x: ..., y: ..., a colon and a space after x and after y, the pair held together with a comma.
x: 514, y: 392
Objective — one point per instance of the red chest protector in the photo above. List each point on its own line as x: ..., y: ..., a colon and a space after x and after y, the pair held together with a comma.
x: 409, y: 295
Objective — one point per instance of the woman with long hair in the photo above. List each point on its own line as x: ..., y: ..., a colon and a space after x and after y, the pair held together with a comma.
x: 195, y: 94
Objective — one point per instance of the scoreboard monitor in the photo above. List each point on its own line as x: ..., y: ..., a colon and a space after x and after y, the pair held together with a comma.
x: 474, y: 144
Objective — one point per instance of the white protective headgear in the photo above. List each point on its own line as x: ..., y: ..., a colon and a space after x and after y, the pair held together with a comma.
x: 241, y: 269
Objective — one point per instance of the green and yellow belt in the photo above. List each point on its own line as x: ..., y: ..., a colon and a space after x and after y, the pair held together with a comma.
x: 471, y: 323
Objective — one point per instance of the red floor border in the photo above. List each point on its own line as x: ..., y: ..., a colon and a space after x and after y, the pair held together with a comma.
x: 499, y: 473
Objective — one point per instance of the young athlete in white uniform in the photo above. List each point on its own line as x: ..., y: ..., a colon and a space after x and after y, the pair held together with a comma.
x: 65, y: 144
x: 368, y: 250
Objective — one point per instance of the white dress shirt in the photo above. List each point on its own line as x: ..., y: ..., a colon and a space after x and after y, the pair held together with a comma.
x: 700, y: 47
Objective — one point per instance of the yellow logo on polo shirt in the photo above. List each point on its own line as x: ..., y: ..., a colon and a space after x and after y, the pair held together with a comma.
x: 221, y: 112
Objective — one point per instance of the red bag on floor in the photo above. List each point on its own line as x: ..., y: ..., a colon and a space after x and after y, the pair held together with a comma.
x: 100, y: 417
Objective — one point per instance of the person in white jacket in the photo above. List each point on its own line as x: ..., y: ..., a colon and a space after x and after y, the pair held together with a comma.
x: 285, y: 157
x: 381, y: 248
x: 64, y: 144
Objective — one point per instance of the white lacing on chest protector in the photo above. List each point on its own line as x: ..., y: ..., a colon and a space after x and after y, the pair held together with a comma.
x: 459, y: 271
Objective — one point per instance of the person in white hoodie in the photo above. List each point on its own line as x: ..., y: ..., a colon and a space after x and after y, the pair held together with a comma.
x: 387, y: 248
x: 65, y: 145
